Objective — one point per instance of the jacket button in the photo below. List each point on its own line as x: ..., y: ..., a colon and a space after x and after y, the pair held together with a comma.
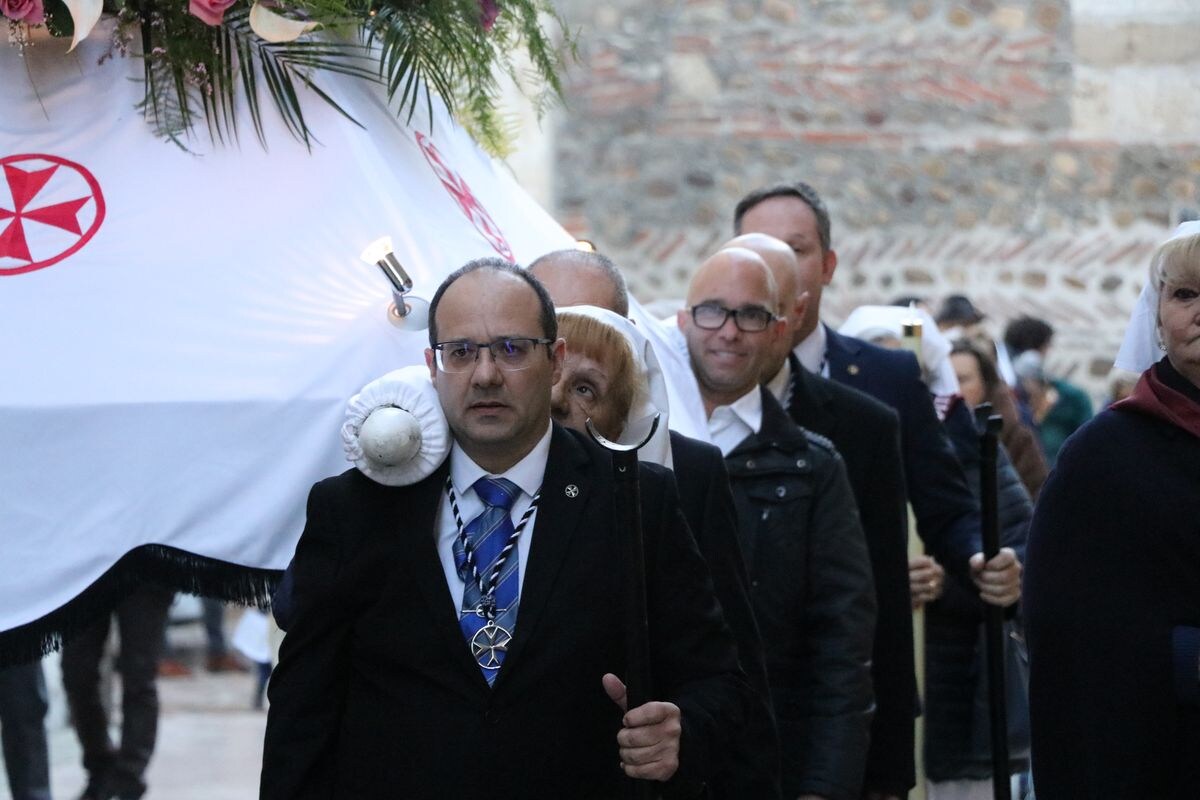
x: 750, y: 464
x: 754, y: 584
x: 780, y: 491
x: 491, y: 716
x: 800, y: 462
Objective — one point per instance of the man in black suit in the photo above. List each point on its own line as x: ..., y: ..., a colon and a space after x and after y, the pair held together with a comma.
x: 577, y: 277
x: 946, y: 512
x: 409, y: 672
x: 867, y: 435
x: 811, y: 583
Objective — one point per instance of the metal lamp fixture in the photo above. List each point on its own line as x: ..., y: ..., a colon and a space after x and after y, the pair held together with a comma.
x: 405, y: 311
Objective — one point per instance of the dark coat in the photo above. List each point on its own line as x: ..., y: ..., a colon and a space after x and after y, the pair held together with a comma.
x: 810, y: 579
x: 867, y: 435
x: 707, y: 504
x: 1113, y: 573
x: 946, y: 511
x: 377, y: 696
x: 955, y: 666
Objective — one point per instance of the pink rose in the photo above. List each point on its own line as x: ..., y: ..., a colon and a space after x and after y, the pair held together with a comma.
x: 212, y: 12
x: 488, y: 11
x: 30, y: 11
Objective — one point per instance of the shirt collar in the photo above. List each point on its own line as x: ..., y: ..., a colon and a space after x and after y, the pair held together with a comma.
x: 782, y: 381
x: 747, y: 408
x: 526, y: 473
x: 811, y: 351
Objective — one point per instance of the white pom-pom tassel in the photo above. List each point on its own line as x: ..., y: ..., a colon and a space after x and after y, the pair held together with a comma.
x: 390, y: 436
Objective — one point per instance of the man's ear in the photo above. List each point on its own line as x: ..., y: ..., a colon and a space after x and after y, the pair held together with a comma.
x: 432, y: 364
x: 558, y: 354
x: 682, y: 317
x: 828, y: 265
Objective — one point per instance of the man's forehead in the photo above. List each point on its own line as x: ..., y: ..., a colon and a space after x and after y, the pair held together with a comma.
x: 500, y: 302
x: 790, y: 211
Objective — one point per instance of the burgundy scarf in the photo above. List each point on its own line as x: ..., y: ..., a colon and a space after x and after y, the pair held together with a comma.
x: 1152, y: 396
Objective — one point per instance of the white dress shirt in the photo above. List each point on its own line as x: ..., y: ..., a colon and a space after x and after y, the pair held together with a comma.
x: 811, y: 352
x: 730, y: 425
x: 782, y: 383
x: 526, y: 474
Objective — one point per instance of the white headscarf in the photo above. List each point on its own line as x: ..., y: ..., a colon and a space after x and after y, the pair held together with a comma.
x: 867, y: 321
x: 1140, y: 349
x: 655, y: 400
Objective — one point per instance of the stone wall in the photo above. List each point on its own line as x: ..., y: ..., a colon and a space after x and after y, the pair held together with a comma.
x: 1030, y: 153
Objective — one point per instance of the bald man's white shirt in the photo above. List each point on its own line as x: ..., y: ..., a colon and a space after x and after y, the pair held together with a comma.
x: 811, y: 352
x: 730, y: 425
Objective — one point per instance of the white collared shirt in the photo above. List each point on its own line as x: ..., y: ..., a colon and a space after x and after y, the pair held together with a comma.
x: 526, y: 473
x: 811, y: 352
x: 781, y: 384
x: 730, y: 425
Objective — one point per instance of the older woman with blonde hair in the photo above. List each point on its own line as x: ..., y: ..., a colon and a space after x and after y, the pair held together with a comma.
x: 1112, y: 597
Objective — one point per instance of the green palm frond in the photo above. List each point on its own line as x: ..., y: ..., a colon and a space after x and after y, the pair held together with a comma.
x: 416, y: 48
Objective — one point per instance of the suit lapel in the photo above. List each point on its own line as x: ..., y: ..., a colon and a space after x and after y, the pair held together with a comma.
x: 566, y: 493
x: 843, y: 353
x: 423, y: 566
x: 812, y: 407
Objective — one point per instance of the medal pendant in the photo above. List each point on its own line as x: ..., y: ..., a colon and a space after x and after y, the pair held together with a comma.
x: 489, y: 644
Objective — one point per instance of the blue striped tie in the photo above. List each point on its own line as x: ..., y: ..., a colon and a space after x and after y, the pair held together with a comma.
x: 487, y: 534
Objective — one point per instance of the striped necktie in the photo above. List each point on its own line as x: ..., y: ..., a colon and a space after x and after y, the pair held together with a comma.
x: 490, y: 538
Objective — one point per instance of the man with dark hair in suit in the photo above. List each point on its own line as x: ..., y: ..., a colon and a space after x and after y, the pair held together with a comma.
x: 946, y: 512
x: 867, y: 435
x: 811, y: 582
x: 461, y: 636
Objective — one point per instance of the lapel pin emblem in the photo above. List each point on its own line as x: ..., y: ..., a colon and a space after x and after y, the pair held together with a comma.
x: 852, y: 369
x: 572, y: 490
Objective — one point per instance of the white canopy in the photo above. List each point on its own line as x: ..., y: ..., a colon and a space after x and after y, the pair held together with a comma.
x: 180, y: 329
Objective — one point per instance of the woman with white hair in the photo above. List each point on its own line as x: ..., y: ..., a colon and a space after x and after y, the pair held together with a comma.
x: 1112, y: 593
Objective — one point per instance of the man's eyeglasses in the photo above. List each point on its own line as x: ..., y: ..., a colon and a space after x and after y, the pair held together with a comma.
x: 749, y: 319
x: 508, y: 354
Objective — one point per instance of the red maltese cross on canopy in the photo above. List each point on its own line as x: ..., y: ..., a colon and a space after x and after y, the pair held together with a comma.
x: 49, y: 209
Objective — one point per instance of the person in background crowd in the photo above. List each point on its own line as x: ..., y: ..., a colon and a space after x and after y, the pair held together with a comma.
x: 801, y: 537
x: 946, y: 511
x: 957, y: 718
x: 979, y: 383
x: 1120, y: 385
x: 23, y: 705
x: 1113, y: 589
x: 118, y: 772
x: 867, y: 435
x: 1059, y: 407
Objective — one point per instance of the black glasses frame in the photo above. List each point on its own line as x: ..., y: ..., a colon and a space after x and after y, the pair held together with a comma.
x: 746, y: 313
x: 439, y: 348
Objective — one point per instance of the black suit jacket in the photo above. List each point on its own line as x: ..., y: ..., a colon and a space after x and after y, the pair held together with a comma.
x: 947, y: 513
x: 867, y: 434
x: 707, y: 503
x: 813, y: 598
x: 377, y: 696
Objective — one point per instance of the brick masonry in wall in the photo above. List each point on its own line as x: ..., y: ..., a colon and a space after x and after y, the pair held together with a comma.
x: 939, y: 133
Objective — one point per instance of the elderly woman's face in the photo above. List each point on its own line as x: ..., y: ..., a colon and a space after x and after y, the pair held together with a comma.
x: 583, y: 391
x: 1179, y: 312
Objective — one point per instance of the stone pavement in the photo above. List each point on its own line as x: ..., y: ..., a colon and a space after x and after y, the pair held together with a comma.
x: 209, y: 737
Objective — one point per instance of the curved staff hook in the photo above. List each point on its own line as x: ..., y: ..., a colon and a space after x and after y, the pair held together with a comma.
x: 628, y: 502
